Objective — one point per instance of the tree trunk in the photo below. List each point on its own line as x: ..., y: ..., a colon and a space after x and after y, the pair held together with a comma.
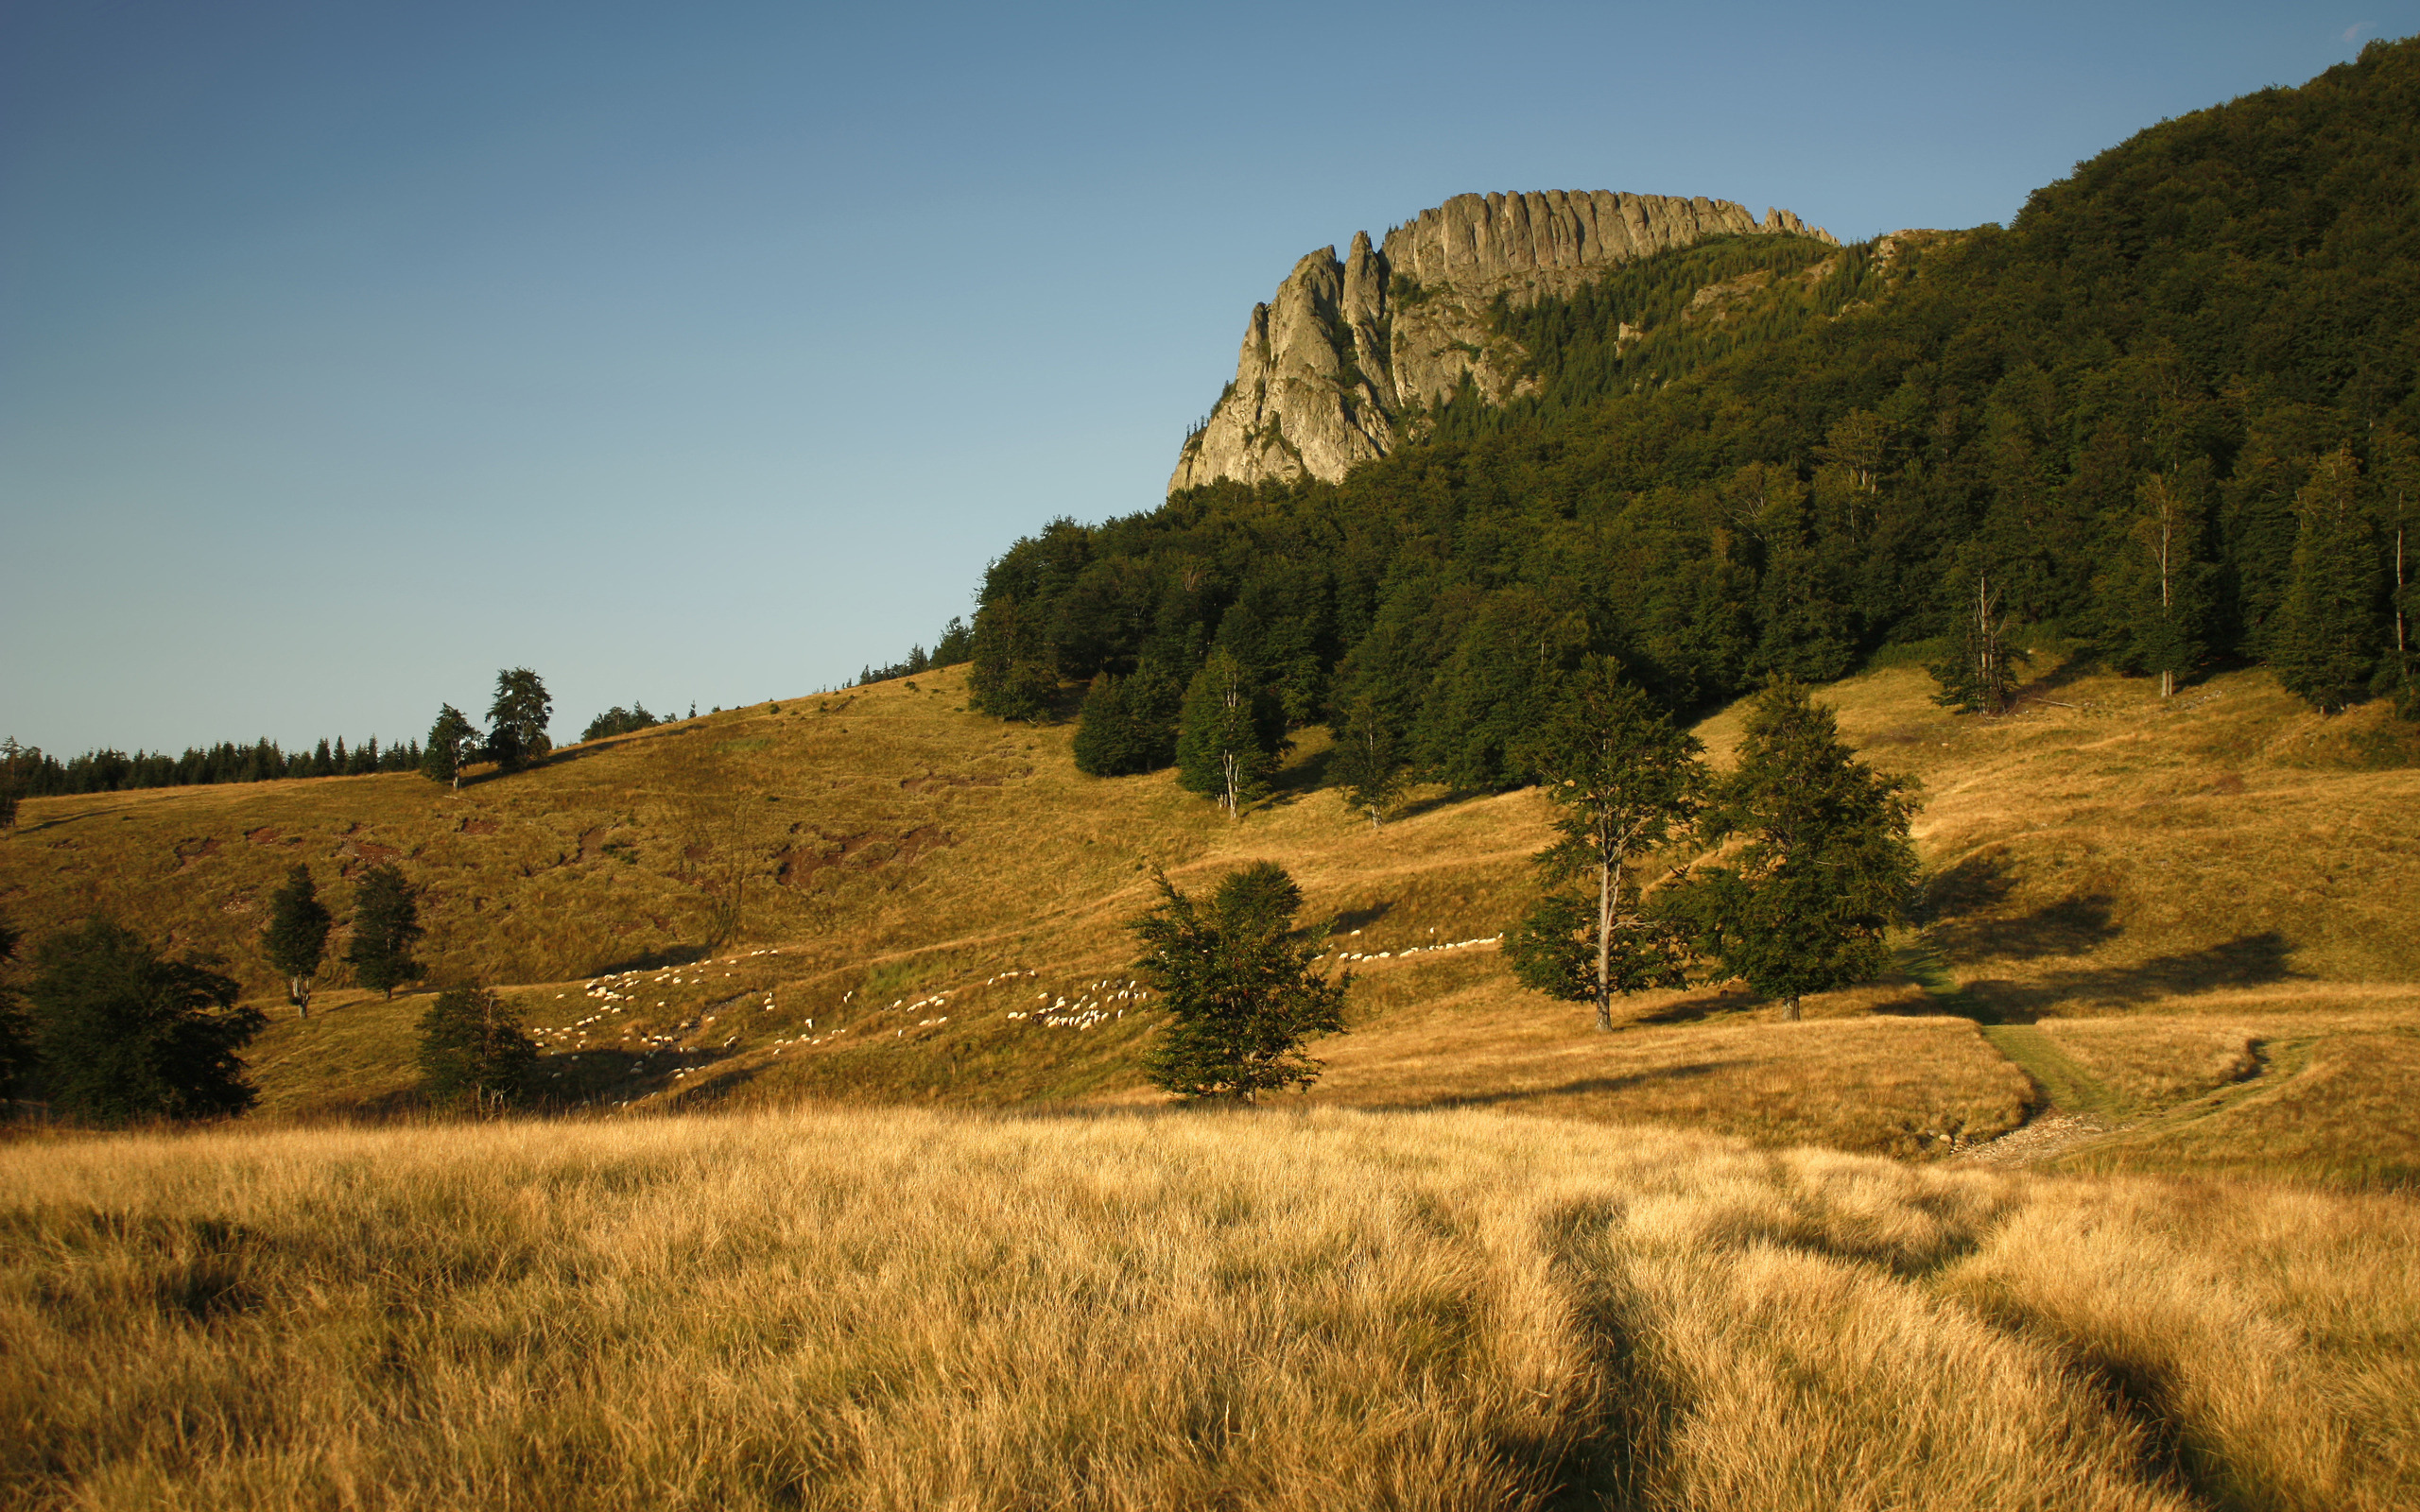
x: 2166, y: 683
x: 298, y: 989
x: 1790, y: 1010
x: 1608, y: 882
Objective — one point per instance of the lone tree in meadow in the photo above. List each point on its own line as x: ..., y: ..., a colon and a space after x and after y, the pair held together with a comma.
x: 1236, y: 980
x: 297, y: 937
x: 1227, y: 749
x: 1624, y: 777
x: 474, y: 1053
x: 1824, y: 867
x: 1369, y: 763
x: 124, y: 1034
x: 451, y: 741
x: 386, y: 922
x: 517, y: 720
x: 1978, y: 673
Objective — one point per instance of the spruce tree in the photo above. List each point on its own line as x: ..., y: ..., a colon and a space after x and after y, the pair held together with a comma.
x: 449, y: 747
x: 297, y: 937
x: 1624, y: 778
x: 1369, y: 766
x: 2327, y: 643
x: 386, y: 922
x: 1155, y: 702
x: 1108, y: 743
x: 1227, y: 752
x: 124, y: 1034
x: 517, y: 720
x: 1236, y: 979
x: 474, y: 1051
x: 1824, y: 867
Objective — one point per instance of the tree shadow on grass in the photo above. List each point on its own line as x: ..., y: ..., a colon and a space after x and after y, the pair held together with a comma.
x: 1570, y: 1089
x: 1699, y: 1006
x: 654, y: 960
x: 2071, y: 926
x: 2252, y: 960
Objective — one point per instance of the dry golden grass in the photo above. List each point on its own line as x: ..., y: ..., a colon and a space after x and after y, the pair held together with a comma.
x: 899, y: 1309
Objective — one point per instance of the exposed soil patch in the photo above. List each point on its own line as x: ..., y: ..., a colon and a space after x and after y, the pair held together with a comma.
x: 265, y: 834
x: 2038, y: 1140
x: 481, y: 826
x: 592, y: 843
x: 189, y: 852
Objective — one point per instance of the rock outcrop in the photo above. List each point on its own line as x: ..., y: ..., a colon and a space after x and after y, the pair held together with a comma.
x: 1340, y: 364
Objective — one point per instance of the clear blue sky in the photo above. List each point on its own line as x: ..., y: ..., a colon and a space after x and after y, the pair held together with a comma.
x: 350, y: 352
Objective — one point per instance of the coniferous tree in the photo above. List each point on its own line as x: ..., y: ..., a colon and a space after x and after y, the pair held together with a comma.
x: 449, y: 747
x: 517, y: 720
x: 385, y: 923
x: 124, y: 1034
x: 1368, y: 766
x: 1108, y: 741
x: 1824, y: 867
x: 297, y: 937
x: 2327, y: 643
x: 474, y: 1051
x: 1237, y: 981
x: 1624, y: 777
x: 1228, y: 749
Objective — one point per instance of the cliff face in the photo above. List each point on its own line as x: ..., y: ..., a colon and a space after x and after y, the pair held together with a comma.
x: 1337, y: 367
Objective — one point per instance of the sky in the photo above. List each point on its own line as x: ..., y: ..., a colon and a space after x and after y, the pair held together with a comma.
x: 351, y: 352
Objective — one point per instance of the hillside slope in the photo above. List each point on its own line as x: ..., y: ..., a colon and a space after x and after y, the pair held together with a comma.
x: 933, y: 905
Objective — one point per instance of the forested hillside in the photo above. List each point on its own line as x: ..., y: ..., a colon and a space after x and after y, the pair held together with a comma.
x: 2169, y: 412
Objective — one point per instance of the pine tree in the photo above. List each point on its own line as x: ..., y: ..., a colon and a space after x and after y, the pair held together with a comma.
x: 2327, y: 643
x: 1237, y: 981
x: 386, y: 922
x: 449, y: 747
x: 474, y: 1051
x: 124, y: 1034
x: 297, y: 935
x: 1368, y: 766
x: 1826, y: 865
x: 1228, y: 749
x: 517, y: 720
x: 1108, y: 741
x: 1624, y: 777
x: 1155, y: 702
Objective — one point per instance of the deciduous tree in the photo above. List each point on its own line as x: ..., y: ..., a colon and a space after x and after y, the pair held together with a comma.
x: 1369, y: 763
x: 1229, y: 746
x: 474, y: 1051
x: 1624, y: 777
x: 124, y: 1034
x: 1236, y: 980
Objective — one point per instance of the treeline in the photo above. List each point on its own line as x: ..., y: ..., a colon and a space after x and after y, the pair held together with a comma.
x: 2170, y: 413
x: 955, y: 645
x: 30, y: 772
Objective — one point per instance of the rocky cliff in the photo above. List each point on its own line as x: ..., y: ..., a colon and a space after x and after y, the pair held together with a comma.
x: 1341, y: 362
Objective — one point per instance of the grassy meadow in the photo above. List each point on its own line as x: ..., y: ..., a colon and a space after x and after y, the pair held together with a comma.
x: 876, y: 947
x: 2190, y: 920
x: 915, y: 1309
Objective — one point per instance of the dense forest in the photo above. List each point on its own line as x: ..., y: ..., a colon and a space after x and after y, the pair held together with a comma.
x: 2168, y: 414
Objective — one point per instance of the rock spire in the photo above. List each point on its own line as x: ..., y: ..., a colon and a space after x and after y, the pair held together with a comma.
x: 1338, y: 362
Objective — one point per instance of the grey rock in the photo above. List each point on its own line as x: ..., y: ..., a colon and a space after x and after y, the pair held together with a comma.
x: 1341, y: 364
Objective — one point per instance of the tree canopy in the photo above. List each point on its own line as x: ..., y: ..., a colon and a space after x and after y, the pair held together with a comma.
x: 123, y: 1033
x: 1236, y: 980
